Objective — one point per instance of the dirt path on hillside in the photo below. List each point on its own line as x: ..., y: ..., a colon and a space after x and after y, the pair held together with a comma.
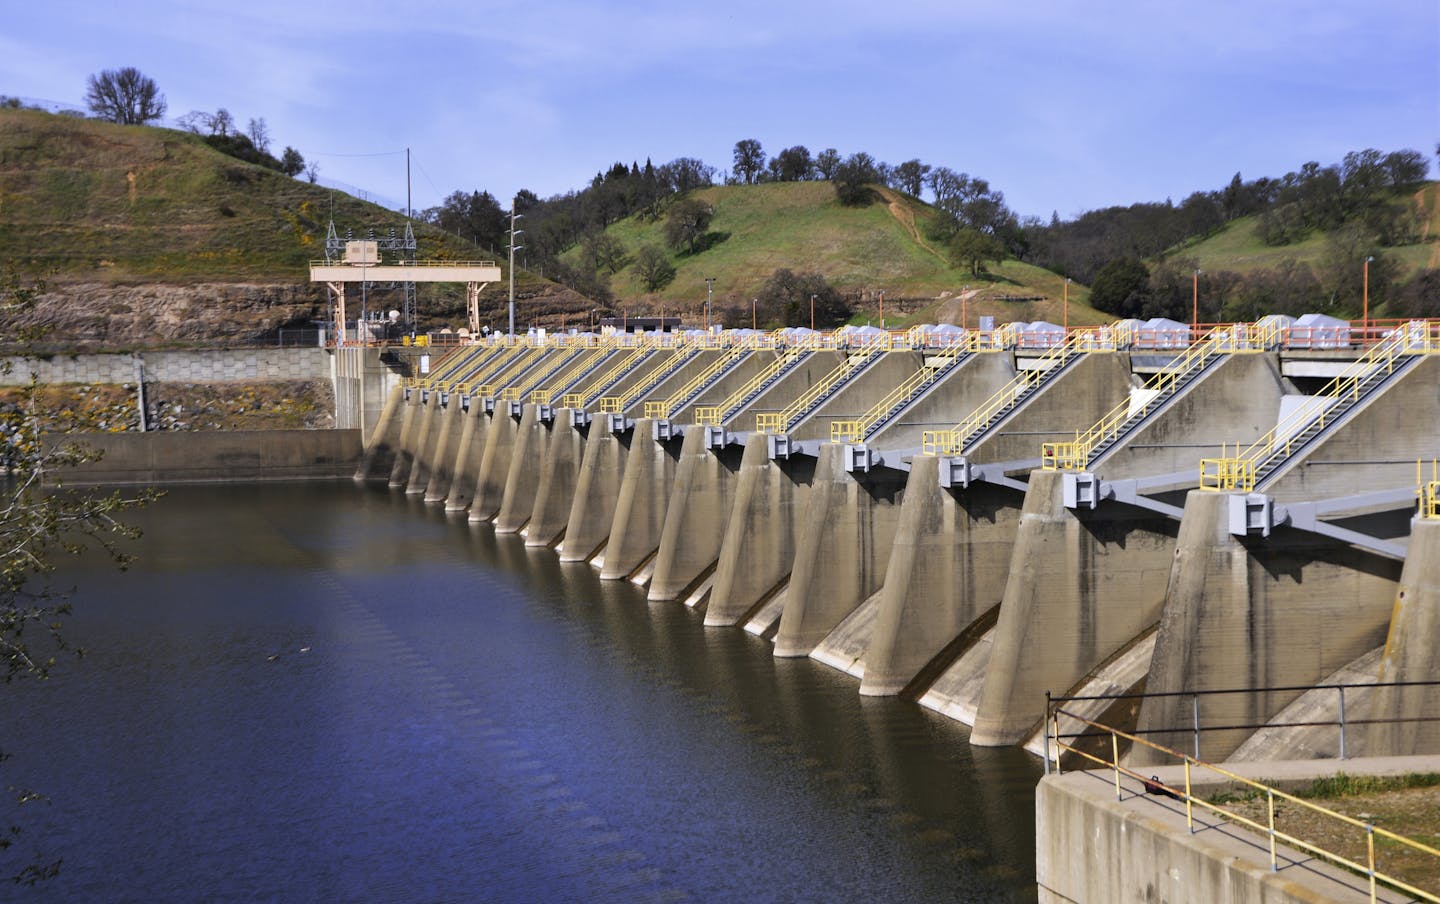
x: 906, y: 218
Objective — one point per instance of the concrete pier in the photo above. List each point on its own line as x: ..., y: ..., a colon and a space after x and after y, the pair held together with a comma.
x: 442, y: 472
x: 384, y: 445
x: 427, y: 420
x: 597, y: 492
x: 640, y: 509
x: 555, y: 488
x: 522, y: 480
x: 1283, y: 611
x: 405, y: 452
x: 699, y: 508
x: 842, y: 550
x: 1411, y: 653
x: 468, y: 453
x: 500, y: 439
x: 758, y: 548
x: 1082, y: 584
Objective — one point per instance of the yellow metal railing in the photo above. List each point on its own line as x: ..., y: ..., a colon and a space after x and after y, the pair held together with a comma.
x: 1074, y: 455
x: 664, y: 408
x: 952, y: 442
x: 449, y: 365
x: 1428, y: 490
x: 1369, y: 868
x: 1217, y: 474
x: 526, y: 388
x: 617, y: 404
x: 520, y: 357
x: 780, y: 421
x: 590, y: 354
x: 491, y: 365
x: 622, y: 367
x: 855, y: 431
x: 712, y: 415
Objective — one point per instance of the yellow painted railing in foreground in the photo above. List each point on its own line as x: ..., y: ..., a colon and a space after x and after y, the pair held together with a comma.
x: 1075, y: 455
x: 480, y: 382
x: 1222, y: 474
x: 664, y: 407
x: 590, y: 356
x: 633, y: 359
x: 1367, y: 869
x: 711, y: 415
x: 780, y: 421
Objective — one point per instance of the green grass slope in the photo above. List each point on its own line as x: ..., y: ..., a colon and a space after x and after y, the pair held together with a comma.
x: 862, y: 251
x: 84, y: 200
x: 1238, y: 248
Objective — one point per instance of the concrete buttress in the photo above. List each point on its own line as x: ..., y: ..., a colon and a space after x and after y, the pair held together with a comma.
x: 555, y: 490
x: 427, y: 420
x: 494, y: 464
x: 523, y: 479
x: 640, y: 508
x: 405, y: 455
x: 759, y: 544
x: 384, y: 443
x: 1284, y: 610
x: 1082, y: 585
x: 442, y: 470
x: 842, y: 550
x: 596, y: 493
x: 700, y: 502
x: 1411, y: 653
x: 948, y: 567
x: 468, y: 453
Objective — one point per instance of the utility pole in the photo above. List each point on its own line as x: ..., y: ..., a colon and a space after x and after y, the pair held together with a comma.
x: 709, y: 294
x: 513, y: 247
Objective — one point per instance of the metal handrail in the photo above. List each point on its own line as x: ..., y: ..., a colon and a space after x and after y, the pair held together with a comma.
x: 854, y: 431
x: 1185, y: 795
x: 780, y: 421
x: 1428, y: 490
x: 622, y: 367
x: 1238, y: 472
x: 483, y: 384
x: 953, y: 441
x: 516, y: 393
x: 617, y: 404
x: 1075, y: 455
x: 663, y: 408
x: 591, y: 355
x: 713, y: 415
x: 447, y: 378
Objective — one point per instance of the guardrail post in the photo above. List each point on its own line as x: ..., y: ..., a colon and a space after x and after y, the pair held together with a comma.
x: 1195, y: 714
x: 1270, y: 805
x: 1342, y: 721
x: 1189, y: 801
x: 1370, y: 852
x: 1115, y: 760
x: 1047, y: 732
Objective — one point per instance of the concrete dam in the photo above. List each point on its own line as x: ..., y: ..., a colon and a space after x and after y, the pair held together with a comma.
x: 973, y: 519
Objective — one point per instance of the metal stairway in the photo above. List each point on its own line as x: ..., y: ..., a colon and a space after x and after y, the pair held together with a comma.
x: 717, y: 415
x: 626, y: 364
x: 667, y: 369
x: 1384, y: 364
x: 854, y: 364
x: 1183, y: 372
x: 703, y: 381
x: 900, y: 398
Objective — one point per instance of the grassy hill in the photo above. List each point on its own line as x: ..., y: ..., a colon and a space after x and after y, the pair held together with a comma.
x: 85, y: 202
x: 1237, y: 247
x: 862, y: 251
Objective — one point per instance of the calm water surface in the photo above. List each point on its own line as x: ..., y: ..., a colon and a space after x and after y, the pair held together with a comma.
x: 324, y: 693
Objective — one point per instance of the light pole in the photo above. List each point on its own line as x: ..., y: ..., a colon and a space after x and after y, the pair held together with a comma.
x: 754, y: 324
x: 882, y: 310
x: 1365, y: 310
x: 1065, y: 307
x: 513, y: 247
x: 709, y: 293
x: 812, y: 313
x: 1195, y: 302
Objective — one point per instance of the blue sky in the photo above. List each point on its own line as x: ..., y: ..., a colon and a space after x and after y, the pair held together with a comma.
x: 1064, y: 106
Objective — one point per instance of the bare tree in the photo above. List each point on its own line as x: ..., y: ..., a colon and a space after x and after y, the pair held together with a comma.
x: 312, y: 171
x: 259, y: 134
x: 126, y: 96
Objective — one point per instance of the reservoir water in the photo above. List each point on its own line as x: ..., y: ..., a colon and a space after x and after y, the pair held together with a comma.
x: 326, y: 693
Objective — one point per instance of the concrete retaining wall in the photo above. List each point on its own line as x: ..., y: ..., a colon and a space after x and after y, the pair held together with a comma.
x: 221, y: 457
x: 196, y: 366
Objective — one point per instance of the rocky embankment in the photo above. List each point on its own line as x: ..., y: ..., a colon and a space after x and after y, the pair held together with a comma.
x: 101, y: 316
x: 112, y: 408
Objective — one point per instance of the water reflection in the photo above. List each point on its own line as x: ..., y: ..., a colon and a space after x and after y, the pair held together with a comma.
x: 475, y: 720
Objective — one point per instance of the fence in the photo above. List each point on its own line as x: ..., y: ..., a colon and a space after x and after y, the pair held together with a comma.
x: 1368, y: 868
